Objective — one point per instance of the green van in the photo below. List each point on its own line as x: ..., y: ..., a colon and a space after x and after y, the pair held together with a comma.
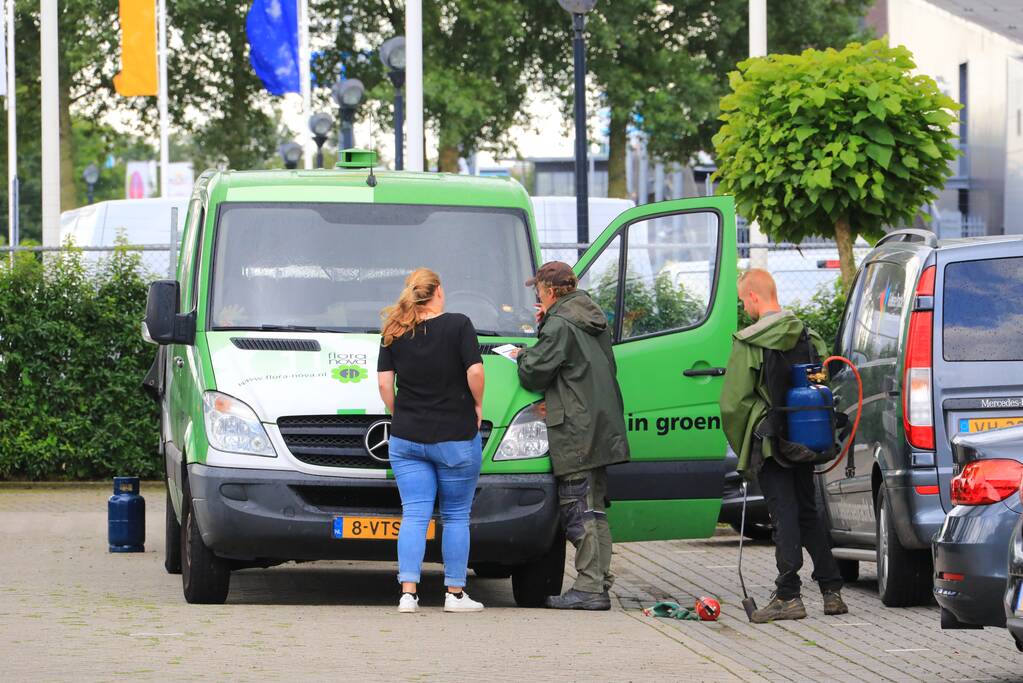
x: 272, y: 429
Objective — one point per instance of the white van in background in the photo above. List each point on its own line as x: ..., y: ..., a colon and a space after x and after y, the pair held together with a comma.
x: 140, y: 221
x: 555, y: 222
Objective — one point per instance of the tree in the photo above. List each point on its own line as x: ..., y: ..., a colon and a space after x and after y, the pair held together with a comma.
x: 835, y: 144
x: 660, y: 66
x: 476, y: 55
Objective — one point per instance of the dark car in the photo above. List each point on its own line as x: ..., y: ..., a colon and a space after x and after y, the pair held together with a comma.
x: 936, y: 331
x: 1014, y: 586
x: 758, y: 521
x: 971, y: 550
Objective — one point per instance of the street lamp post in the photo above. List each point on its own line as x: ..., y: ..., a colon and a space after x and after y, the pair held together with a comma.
x: 392, y: 54
x: 320, y: 124
x: 578, y: 10
x: 91, y: 176
x: 291, y: 153
x: 348, y: 94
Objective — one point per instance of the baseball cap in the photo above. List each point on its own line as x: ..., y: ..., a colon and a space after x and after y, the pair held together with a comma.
x: 555, y: 274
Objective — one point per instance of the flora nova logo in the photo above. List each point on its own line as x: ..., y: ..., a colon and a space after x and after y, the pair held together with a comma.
x: 349, y: 374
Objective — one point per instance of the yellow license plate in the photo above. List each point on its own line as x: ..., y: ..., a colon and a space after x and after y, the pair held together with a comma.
x: 374, y: 528
x: 983, y: 424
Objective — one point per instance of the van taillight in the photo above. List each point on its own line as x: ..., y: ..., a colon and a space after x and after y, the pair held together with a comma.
x: 983, y: 482
x: 917, y: 410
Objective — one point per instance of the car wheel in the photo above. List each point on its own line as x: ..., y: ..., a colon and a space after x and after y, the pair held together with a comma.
x: 849, y: 569
x: 903, y: 575
x: 534, y: 581
x: 205, y: 577
x: 756, y: 532
x: 172, y: 539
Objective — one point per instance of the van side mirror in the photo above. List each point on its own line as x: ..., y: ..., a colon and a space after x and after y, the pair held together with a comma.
x: 163, y: 323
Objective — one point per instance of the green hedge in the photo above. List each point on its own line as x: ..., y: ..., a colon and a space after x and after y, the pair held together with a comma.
x: 71, y: 365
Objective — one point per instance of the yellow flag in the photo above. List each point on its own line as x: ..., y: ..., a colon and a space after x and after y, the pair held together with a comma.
x: 138, y: 49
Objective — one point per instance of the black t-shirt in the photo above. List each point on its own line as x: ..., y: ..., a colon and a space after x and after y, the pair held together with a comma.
x: 433, y: 402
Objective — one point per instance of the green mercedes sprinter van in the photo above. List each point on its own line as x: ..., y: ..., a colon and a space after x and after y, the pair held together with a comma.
x: 272, y: 429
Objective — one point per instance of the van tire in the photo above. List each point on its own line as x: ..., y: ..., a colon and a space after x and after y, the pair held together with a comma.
x: 903, y: 575
x: 849, y: 569
x: 205, y: 578
x: 756, y: 532
x: 172, y: 539
x: 534, y: 581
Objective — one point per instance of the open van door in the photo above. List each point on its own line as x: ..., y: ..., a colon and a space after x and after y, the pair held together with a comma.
x: 665, y: 276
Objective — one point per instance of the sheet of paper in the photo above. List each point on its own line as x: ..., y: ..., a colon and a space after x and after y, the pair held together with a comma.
x: 506, y: 351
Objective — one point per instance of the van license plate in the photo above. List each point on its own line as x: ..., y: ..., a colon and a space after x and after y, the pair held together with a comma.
x: 374, y: 528
x: 982, y: 424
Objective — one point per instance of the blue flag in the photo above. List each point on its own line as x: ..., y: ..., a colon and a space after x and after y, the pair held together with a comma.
x: 272, y: 28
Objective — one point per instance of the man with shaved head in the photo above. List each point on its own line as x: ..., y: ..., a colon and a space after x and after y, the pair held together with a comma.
x: 757, y: 378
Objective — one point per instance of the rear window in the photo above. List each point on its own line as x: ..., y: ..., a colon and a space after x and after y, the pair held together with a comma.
x: 983, y: 310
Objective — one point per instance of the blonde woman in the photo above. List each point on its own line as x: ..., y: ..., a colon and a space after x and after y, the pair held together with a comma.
x: 435, y: 442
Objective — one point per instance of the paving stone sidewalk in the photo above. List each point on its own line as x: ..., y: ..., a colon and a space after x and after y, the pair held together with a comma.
x: 871, y: 643
x: 70, y: 611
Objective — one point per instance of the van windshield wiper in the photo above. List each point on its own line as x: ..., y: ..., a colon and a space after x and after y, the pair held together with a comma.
x: 490, y: 333
x: 293, y: 328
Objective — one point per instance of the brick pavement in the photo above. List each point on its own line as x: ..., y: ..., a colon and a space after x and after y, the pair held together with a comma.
x: 872, y: 642
x: 71, y: 611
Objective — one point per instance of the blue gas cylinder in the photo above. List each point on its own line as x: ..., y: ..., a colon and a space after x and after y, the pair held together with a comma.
x: 812, y: 428
x: 126, y: 517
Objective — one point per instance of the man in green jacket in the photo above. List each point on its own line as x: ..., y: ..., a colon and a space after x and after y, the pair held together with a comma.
x: 788, y: 488
x: 573, y: 365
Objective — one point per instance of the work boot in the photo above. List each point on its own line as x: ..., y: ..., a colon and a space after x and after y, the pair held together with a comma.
x: 780, y: 610
x: 573, y: 599
x: 833, y: 603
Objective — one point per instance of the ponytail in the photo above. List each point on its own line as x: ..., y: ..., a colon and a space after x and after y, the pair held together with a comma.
x: 406, y: 313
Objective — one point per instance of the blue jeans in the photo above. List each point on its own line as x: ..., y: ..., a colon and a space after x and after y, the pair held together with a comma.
x: 424, y: 470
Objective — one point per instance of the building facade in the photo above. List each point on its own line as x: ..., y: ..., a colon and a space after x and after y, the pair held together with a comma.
x: 974, y: 50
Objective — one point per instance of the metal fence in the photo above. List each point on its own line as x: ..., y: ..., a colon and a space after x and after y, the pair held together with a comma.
x: 156, y: 261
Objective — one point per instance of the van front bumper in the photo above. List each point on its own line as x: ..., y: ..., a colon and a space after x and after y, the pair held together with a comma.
x: 274, y: 515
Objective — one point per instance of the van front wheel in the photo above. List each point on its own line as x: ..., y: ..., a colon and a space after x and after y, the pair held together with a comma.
x: 172, y: 538
x: 534, y: 581
x: 205, y: 577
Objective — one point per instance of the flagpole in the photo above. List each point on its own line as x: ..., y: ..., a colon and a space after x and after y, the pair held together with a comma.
x: 161, y: 23
x: 49, y: 81
x: 414, y: 85
x: 305, y: 87
x: 12, y: 135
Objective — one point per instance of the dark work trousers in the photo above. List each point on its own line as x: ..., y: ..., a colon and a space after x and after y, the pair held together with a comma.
x: 584, y: 518
x: 797, y: 524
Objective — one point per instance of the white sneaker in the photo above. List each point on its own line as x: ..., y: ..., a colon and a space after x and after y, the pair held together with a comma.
x: 462, y: 604
x: 408, y: 603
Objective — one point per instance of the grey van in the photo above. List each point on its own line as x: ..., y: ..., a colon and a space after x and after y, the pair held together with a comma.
x: 932, y: 366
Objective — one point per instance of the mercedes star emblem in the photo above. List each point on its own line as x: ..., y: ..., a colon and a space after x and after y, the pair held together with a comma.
x: 377, y: 437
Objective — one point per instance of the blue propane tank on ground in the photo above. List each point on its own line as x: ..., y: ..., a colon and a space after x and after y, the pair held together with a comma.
x: 126, y: 517
x: 812, y: 428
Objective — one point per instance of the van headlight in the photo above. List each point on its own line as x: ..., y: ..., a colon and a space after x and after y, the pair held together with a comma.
x: 526, y: 436
x: 232, y: 426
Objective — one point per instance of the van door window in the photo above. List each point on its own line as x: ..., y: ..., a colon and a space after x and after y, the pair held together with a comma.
x: 670, y: 269
x: 601, y: 280
x: 197, y: 249
x: 982, y: 310
x: 879, y: 314
x: 187, y: 256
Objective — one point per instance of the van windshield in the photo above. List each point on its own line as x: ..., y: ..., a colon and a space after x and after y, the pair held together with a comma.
x: 333, y: 267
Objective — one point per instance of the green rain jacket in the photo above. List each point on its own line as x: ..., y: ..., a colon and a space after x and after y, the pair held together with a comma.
x: 573, y: 365
x: 744, y: 397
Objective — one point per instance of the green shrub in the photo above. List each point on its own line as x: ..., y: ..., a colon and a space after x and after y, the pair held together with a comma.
x: 71, y: 365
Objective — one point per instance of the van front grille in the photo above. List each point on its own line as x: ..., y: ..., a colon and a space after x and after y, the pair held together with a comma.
x: 268, y: 344
x: 337, y: 440
x: 330, y: 440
